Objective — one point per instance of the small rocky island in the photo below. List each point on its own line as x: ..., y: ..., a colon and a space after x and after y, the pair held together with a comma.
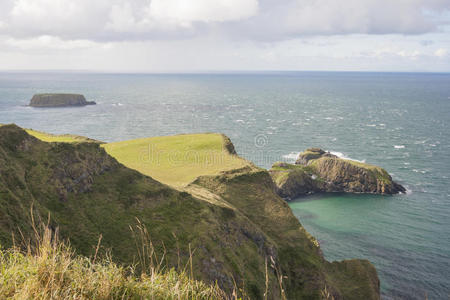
x: 59, y: 100
x: 318, y: 171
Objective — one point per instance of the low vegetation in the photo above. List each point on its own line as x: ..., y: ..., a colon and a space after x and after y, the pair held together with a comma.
x: 281, y: 172
x: 58, y: 138
x: 62, y: 138
x: 378, y: 172
x: 49, y: 269
x: 177, y: 160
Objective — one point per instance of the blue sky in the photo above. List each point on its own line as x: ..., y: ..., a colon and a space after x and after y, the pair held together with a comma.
x: 225, y: 35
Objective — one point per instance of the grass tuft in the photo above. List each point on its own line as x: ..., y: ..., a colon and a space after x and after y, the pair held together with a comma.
x: 49, y: 269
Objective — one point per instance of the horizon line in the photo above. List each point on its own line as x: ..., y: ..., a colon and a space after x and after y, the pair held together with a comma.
x: 212, y: 72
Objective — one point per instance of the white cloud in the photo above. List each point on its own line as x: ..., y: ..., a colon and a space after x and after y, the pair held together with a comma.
x: 185, y: 12
x: 292, y: 18
x: 225, y: 34
x: 245, y: 19
x: 64, y: 18
x: 122, y: 18
x: 47, y: 42
x: 101, y: 19
x: 347, y: 52
x: 394, y: 51
x: 441, y: 52
x: 172, y: 15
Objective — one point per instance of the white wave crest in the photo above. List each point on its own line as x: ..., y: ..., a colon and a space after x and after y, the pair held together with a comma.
x: 399, y: 146
x: 291, y: 157
x: 343, y: 156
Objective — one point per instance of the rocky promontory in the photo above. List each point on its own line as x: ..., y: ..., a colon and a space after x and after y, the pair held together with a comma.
x: 59, y: 100
x: 319, y: 171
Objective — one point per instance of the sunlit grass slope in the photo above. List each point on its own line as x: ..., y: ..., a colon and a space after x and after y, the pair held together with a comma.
x: 61, y: 138
x: 177, y: 160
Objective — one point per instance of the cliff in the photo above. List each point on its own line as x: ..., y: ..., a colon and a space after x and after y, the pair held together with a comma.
x: 238, y: 228
x: 295, y: 253
x: 318, y: 171
x: 59, y: 100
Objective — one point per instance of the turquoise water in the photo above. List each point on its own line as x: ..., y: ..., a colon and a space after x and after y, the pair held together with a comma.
x: 398, y: 121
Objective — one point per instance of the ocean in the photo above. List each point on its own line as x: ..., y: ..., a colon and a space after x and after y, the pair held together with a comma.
x: 400, y: 121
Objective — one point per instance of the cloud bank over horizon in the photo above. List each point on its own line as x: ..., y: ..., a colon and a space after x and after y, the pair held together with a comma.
x: 195, y: 35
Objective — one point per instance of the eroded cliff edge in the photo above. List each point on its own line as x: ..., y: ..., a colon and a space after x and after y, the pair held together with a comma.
x: 318, y: 171
x: 234, y: 220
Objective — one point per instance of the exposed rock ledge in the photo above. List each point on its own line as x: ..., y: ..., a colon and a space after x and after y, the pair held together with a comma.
x: 59, y: 100
x: 318, y: 171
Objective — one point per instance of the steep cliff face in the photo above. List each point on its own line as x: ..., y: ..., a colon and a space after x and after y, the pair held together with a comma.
x: 319, y: 171
x: 58, y: 100
x: 292, y: 180
x: 234, y: 222
x: 296, y: 254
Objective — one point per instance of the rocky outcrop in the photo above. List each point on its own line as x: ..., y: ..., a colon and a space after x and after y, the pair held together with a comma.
x: 59, y: 100
x: 292, y: 181
x: 310, y: 154
x: 318, y: 171
x: 228, y: 145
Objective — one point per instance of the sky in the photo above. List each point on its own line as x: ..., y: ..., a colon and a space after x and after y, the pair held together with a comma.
x: 225, y: 35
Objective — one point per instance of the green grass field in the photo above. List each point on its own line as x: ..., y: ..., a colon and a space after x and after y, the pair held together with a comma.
x: 176, y: 160
x: 63, y: 138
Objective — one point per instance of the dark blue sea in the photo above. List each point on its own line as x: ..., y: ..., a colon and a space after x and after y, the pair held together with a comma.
x: 400, y: 121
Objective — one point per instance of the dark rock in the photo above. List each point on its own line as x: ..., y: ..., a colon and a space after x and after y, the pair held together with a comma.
x: 228, y: 145
x: 310, y: 154
x: 59, y: 100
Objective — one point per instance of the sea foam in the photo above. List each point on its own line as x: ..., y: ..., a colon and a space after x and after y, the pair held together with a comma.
x: 343, y: 156
x: 291, y: 157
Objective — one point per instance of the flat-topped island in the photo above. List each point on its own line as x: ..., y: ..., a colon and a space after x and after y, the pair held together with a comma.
x: 59, y: 100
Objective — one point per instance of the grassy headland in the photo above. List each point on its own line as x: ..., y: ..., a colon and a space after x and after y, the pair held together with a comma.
x: 240, y: 232
x: 177, y: 160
